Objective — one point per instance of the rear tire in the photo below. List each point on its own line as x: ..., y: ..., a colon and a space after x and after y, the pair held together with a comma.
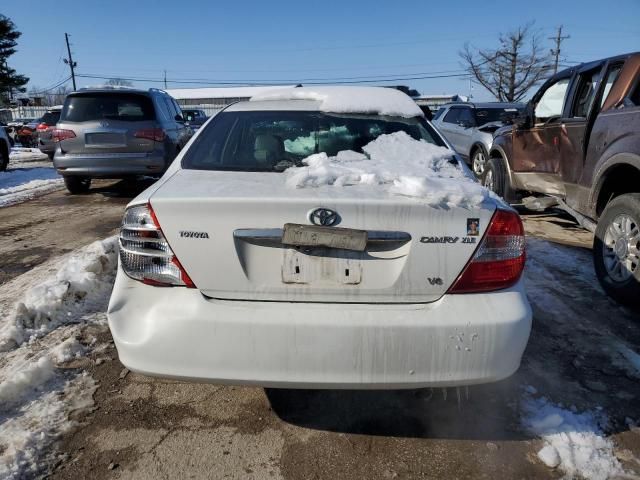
x: 495, y: 178
x: 51, y: 155
x: 77, y: 185
x: 616, y: 249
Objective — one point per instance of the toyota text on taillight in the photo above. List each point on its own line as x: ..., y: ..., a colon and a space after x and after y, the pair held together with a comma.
x: 499, y: 260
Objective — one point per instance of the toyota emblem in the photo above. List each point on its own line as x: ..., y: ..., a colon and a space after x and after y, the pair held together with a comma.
x: 324, y: 217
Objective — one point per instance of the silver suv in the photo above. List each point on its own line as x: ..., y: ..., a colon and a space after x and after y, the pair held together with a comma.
x: 469, y: 128
x: 117, y: 133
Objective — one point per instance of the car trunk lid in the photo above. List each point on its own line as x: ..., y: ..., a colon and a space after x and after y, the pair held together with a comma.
x: 228, y: 231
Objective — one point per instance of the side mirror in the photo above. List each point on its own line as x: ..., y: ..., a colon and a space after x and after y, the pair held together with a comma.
x: 178, y: 118
x: 465, y: 124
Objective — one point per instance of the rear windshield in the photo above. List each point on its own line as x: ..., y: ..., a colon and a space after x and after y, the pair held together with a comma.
x: 128, y: 107
x: 274, y: 141
x: 51, y: 118
x: 486, y: 115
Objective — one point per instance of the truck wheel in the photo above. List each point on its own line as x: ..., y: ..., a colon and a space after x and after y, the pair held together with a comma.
x: 478, y: 162
x: 77, y: 185
x: 616, y: 249
x: 4, y: 158
x: 495, y: 178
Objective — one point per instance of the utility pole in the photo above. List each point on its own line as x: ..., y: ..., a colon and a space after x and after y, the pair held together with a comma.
x: 556, y: 51
x: 70, y: 62
x: 165, y: 79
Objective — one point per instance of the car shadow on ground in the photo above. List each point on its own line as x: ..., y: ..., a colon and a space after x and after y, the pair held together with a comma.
x: 481, y: 412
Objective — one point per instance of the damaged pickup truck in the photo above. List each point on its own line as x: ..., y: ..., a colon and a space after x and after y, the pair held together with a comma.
x: 579, y: 141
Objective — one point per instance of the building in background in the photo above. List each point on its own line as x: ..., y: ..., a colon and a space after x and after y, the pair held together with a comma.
x: 214, y: 99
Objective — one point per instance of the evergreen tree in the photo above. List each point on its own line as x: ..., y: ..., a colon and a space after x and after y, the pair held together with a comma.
x: 10, y: 81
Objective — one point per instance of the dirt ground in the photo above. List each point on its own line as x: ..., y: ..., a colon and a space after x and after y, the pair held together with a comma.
x: 149, y: 428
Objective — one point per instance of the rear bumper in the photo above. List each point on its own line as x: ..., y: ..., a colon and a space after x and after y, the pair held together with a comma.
x: 112, y: 165
x: 458, y: 340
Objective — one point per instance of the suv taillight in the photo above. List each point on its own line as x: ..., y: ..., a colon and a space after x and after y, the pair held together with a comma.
x: 155, y: 134
x: 59, y: 134
x: 499, y: 259
x: 145, y: 254
x: 42, y: 126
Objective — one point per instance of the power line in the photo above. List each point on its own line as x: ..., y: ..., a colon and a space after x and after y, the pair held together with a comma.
x: 328, y: 81
x: 47, y: 90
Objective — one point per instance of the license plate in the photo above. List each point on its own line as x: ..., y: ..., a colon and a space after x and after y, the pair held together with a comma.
x: 314, y: 236
x: 105, y: 138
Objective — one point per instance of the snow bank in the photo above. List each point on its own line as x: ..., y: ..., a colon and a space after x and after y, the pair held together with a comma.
x: 42, y: 332
x: 20, y: 184
x: 24, y: 154
x: 27, y: 434
x: 574, y: 442
x: 79, y: 285
x: 400, y: 164
x: 369, y: 100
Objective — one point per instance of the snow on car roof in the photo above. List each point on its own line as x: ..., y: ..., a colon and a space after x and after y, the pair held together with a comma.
x: 369, y: 100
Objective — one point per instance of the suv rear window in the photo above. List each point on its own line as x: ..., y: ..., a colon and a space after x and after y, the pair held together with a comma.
x: 487, y: 115
x: 50, y: 118
x: 108, y: 106
x: 274, y: 141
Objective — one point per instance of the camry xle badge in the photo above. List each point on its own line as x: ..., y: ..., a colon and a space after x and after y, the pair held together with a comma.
x: 323, y: 216
x: 439, y: 239
x: 190, y: 234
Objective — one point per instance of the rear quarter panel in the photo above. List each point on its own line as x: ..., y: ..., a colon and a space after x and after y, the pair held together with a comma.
x: 615, y: 139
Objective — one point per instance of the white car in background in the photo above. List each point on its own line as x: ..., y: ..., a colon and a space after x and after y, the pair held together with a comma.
x: 321, y: 238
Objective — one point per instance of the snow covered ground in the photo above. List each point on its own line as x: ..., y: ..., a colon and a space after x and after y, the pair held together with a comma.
x: 30, y: 174
x: 44, y: 314
x: 573, y: 441
x: 39, y: 333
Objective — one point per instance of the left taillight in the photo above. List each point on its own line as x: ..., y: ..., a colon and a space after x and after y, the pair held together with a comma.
x: 59, y: 134
x: 499, y: 260
x: 42, y: 126
x: 145, y: 254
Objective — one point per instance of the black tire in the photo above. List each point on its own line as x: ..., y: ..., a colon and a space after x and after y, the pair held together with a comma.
x: 77, y: 185
x: 495, y: 178
x: 4, y: 157
x: 50, y: 155
x: 612, y: 257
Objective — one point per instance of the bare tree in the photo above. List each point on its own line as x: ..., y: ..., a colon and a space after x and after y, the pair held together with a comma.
x: 118, y: 82
x: 59, y: 96
x: 511, y: 70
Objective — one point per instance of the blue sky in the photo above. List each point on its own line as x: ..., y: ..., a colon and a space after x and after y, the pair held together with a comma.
x: 288, y: 40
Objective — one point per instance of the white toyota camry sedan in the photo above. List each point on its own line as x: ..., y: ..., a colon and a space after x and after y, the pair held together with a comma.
x: 321, y: 238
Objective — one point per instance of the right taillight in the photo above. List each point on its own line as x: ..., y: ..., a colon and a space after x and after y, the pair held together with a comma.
x: 155, y: 134
x: 499, y: 259
x: 59, y: 134
x: 145, y: 254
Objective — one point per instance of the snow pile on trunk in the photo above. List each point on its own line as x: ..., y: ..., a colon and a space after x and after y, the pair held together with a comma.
x: 574, y: 442
x: 44, y: 330
x: 18, y: 185
x: 363, y: 100
x: 400, y: 164
x: 79, y: 286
